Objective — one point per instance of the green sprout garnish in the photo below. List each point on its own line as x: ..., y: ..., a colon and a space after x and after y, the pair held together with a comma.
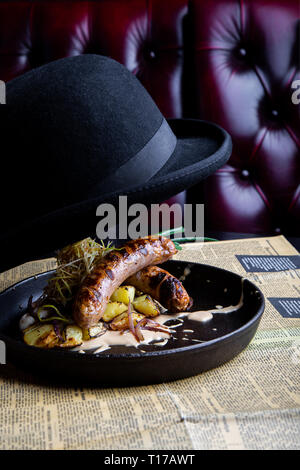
x: 74, y: 263
x: 59, y: 316
x: 177, y: 241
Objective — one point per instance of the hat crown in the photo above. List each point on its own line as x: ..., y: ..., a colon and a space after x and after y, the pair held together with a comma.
x: 73, y: 122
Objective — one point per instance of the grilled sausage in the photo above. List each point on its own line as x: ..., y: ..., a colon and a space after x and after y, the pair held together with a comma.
x: 111, y: 272
x: 162, y: 286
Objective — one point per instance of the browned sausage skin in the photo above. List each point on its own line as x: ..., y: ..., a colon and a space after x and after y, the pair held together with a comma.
x: 111, y: 272
x: 162, y: 286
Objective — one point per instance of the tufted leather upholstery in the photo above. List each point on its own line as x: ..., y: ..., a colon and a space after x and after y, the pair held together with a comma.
x: 229, y: 61
x: 247, y: 55
x: 146, y: 36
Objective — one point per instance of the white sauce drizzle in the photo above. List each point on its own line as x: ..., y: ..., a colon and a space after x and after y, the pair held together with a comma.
x: 117, y: 338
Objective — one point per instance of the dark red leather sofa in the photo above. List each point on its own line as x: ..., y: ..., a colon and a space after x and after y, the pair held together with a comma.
x: 229, y: 61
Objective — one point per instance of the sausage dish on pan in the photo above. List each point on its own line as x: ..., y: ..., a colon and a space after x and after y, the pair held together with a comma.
x: 103, y: 291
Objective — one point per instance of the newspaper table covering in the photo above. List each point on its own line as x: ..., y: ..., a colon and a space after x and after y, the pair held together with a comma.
x: 252, y: 402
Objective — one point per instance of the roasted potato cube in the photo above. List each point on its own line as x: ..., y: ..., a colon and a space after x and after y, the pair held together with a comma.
x: 113, y: 309
x: 93, y: 332
x: 41, y: 336
x: 144, y: 304
x: 121, y: 322
x: 138, y: 293
x: 73, y: 337
x: 124, y: 294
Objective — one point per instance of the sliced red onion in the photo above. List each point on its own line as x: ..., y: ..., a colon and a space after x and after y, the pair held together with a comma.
x: 147, y: 324
x: 142, y: 322
x: 30, y: 305
x: 131, y: 323
x: 152, y: 322
x: 57, y: 330
x: 139, y: 334
x: 124, y: 331
x: 156, y: 325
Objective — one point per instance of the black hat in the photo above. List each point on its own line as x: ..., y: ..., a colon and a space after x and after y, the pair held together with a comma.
x: 80, y: 131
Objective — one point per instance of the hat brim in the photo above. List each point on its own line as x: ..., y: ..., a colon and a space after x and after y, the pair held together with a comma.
x: 201, y: 149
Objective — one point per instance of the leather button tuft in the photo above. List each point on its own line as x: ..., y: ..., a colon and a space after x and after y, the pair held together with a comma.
x: 242, y: 52
x: 245, y: 174
x: 151, y: 55
x: 274, y: 113
x: 277, y: 230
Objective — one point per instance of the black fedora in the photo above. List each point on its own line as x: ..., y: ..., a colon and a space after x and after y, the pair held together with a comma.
x: 81, y: 131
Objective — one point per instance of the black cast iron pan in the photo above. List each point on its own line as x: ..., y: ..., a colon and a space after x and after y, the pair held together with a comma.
x: 225, y: 336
